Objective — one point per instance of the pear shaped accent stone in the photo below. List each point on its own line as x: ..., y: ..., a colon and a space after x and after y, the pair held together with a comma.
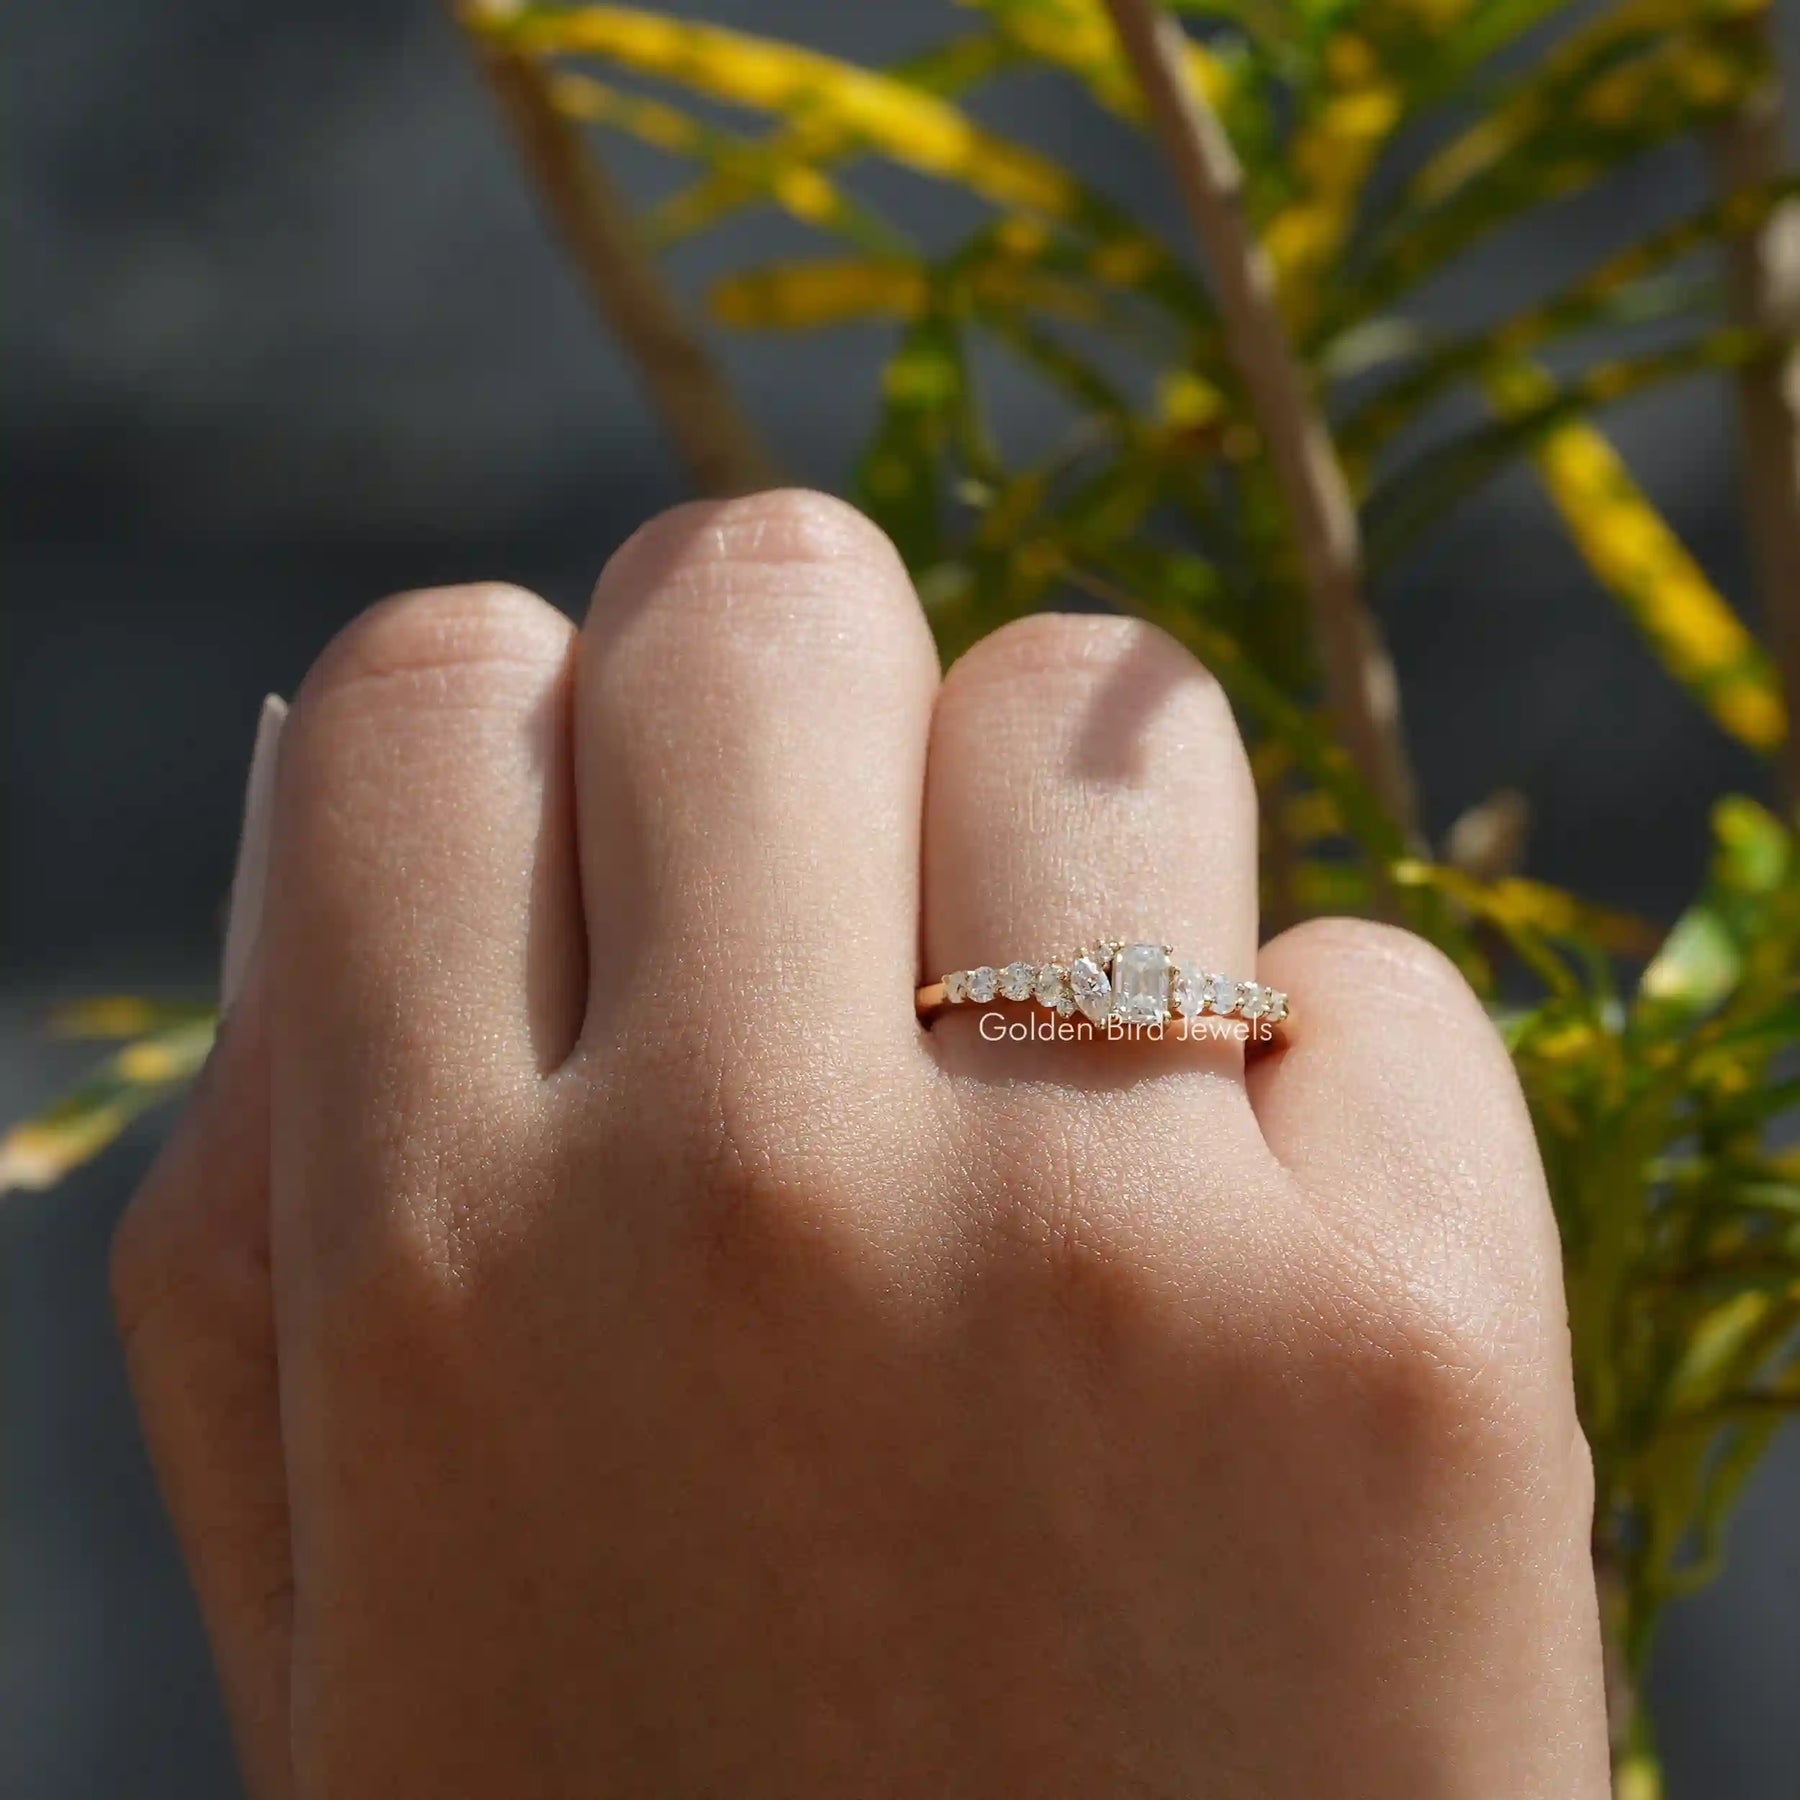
x: 1189, y: 991
x: 1090, y: 988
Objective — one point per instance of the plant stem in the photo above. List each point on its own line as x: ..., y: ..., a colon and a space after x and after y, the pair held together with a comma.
x: 1763, y: 278
x: 1359, y: 676
x: 621, y: 275
x: 1636, y: 1773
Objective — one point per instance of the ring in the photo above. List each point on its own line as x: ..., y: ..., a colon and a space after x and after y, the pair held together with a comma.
x: 1113, y: 983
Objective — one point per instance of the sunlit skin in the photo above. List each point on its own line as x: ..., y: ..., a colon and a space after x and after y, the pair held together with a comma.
x: 594, y: 1341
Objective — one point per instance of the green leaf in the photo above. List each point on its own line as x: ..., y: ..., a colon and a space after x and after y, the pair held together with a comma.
x: 925, y: 401
x: 1705, y: 956
x: 1591, y: 109
x: 1613, y: 70
x: 1697, y: 966
x: 1756, y: 852
x: 1619, y: 290
x: 1453, y: 52
x: 1419, y: 495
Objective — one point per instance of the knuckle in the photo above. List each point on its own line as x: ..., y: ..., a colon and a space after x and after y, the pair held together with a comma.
x: 781, y: 527
x: 764, y: 575
x: 760, y: 1177
x: 1095, y: 645
x: 1383, y: 960
x: 390, y: 1301
x: 1451, y: 1390
x: 411, y: 1261
x: 439, y: 644
x: 1086, y: 686
x: 1106, y: 662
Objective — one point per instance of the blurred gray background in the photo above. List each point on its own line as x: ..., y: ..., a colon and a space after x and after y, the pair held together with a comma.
x: 283, y: 334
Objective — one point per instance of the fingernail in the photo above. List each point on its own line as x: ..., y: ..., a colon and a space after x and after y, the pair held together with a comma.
x: 249, y: 880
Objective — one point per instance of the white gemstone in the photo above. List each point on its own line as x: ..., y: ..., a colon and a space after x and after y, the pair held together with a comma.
x: 1016, y: 979
x: 981, y: 985
x: 956, y: 986
x: 1091, y: 990
x: 1190, y: 990
x: 1256, y: 1000
x: 1140, y: 975
x: 1047, y: 985
x: 1277, y: 1007
x: 1222, y: 994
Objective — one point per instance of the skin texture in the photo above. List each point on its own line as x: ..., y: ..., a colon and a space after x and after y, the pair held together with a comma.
x: 594, y: 1341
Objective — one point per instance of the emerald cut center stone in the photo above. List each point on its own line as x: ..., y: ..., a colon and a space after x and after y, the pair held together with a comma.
x: 1140, y: 980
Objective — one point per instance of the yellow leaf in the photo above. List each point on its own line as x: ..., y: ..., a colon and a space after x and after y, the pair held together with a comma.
x: 807, y: 296
x: 1519, y: 904
x: 1078, y: 36
x: 1716, y: 1345
x: 949, y: 68
x: 151, y: 1063
x: 804, y: 296
x: 1311, y: 817
x: 1625, y: 541
x: 796, y: 186
x: 664, y: 127
x: 114, y: 1016
x: 1568, y: 1041
x: 40, y: 1151
x: 38, y: 1154
x: 1126, y: 261
x: 915, y: 129
x: 1331, y: 156
x: 1187, y: 401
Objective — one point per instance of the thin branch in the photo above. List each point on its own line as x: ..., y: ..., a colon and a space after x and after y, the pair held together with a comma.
x: 1763, y: 276
x: 1359, y: 676
x: 1624, y: 1714
x: 715, y: 439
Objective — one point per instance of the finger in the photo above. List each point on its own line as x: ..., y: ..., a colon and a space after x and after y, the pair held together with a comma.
x: 1086, y: 780
x: 1395, y: 1105
x: 423, y: 888
x: 754, y: 700
x: 191, y: 1292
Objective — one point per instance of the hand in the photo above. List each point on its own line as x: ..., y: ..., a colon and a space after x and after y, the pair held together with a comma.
x: 596, y: 1342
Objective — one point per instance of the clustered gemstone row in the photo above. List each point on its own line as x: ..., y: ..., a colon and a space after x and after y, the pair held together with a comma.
x: 1095, y: 984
